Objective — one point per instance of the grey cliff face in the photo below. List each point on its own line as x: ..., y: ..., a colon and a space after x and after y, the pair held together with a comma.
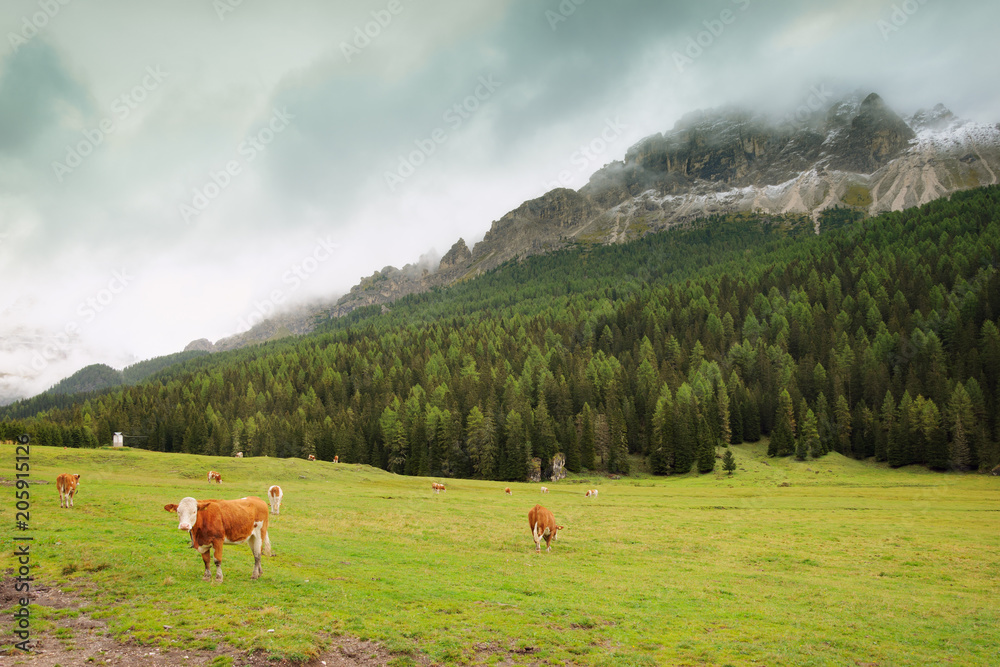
x: 857, y: 152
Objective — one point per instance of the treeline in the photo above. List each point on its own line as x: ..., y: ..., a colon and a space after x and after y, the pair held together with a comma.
x: 877, y: 338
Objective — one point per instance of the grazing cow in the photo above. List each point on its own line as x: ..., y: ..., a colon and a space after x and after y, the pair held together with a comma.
x: 593, y: 493
x: 336, y: 459
x: 438, y: 488
x: 543, y: 526
x: 212, y: 475
x: 212, y: 523
x: 238, y: 455
x: 274, y: 497
x: 66, y: 486
x: 312, y: 458
x: 508, y: 491
x: 545, y: 489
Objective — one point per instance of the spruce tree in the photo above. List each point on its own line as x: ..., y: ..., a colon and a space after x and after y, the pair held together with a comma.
x: 587, y: 444
x: 783, y: 437
x: 729, y: 461
x: 808, y: 441
x: 706, y: 446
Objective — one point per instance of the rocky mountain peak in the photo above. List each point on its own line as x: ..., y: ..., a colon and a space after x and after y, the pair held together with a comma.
x: 459, y: 255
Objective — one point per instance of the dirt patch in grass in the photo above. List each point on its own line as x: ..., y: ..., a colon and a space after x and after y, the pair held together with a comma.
x: 77, y: 639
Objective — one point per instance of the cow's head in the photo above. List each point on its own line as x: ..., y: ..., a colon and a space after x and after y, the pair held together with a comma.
x: 187, y: 512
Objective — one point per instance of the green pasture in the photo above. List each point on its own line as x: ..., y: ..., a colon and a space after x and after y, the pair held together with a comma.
x: 826, y: 562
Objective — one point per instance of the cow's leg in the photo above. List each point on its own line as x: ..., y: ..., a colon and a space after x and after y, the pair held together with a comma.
x: 266, y: 548
x: 206, y: 556
x: 255, y: 544
x: 60, y: 499
x: 217, y: 544
x: 537, y: 537
x: 71, y: 498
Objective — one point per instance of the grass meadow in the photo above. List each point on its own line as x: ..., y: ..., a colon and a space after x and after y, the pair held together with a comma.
x: 826, y: 562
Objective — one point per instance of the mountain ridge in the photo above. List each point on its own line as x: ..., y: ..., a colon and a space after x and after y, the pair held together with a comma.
x: 856, y: 152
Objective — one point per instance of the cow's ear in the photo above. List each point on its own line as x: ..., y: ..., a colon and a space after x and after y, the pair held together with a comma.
x: 77, y: 477
x: 202, y: 504
x: 171, y: 507
x: 559, y: 527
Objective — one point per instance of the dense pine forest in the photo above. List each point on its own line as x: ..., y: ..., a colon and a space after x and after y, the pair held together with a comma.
x: 875, y: 338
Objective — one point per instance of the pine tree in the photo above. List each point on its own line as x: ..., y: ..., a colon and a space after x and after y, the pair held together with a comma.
x: 661, y: 456
x: 572, y: 446
x: 751, y: 419
x: 729, y: 461
x: 808, y: 441
x: 587, y: 438
x: 722, y: 398
x: 706, y: 446
x: 842, y: 416
x: 886, y: 420
x: 783, y: 437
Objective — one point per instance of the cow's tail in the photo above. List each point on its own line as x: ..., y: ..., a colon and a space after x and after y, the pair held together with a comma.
x: 266, y: 549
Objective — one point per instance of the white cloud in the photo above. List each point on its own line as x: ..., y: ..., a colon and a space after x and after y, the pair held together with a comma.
x: 323, y: 177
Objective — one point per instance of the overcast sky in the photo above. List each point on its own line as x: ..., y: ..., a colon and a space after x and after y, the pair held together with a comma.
x: 167, y: 167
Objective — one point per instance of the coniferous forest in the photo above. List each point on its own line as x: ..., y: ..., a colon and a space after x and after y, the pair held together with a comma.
x: 875, y: 338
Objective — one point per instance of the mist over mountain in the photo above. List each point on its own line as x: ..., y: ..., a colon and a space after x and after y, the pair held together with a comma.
x: 853, y: 152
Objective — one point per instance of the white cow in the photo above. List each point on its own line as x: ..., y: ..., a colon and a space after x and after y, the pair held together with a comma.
x: 274, y: 497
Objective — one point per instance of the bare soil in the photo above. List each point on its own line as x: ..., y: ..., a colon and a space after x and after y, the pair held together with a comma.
x: 83, y: 641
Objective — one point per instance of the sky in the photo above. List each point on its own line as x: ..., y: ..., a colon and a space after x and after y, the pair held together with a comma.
x: 171, y: 171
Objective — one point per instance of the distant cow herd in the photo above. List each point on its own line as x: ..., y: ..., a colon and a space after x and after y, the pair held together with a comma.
x: 213, y: 523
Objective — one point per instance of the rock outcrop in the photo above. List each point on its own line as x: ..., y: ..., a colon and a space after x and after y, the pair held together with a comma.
x: 856, y: 152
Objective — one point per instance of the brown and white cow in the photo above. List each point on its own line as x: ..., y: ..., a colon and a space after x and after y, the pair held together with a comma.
x: 312, y: 458
x: 336, y: 459
x: 212, y: 523
x: 238, y: 455
x: 543, y: 526
x: 274, y: 497
x: 545, y: 489
x: 438, y: 488
x: 66, y: 486
x: 214, y: 476
x: 508, y: 491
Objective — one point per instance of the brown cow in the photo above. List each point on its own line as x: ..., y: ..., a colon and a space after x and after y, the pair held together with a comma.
x: 312, y: 458
x: 438, y: 488
x: 274, y: 496
x: 508, y: 491
x: 212, y: 523
x: 66, y: 486
x: 543, y: 525
x: 336, y: 459
x: 212, y: 475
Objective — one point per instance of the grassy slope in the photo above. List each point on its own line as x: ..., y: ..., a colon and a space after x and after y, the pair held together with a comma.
x: 856, y: 562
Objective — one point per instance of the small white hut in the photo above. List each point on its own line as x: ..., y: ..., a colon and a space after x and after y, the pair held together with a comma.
x: 118, y: 440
